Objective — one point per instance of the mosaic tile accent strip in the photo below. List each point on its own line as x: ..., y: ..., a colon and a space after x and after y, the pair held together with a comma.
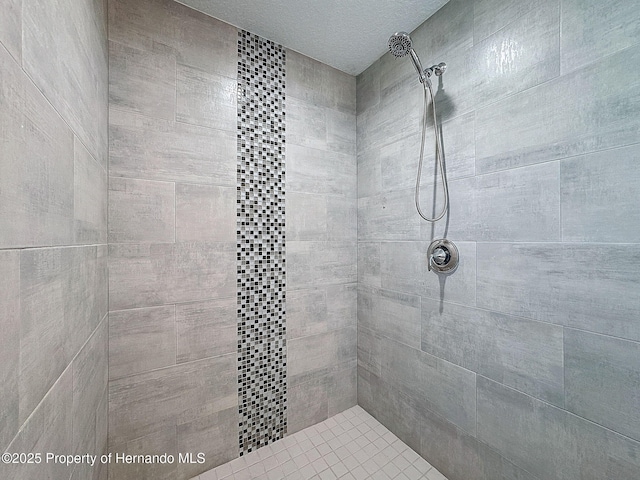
x: 261, y: 242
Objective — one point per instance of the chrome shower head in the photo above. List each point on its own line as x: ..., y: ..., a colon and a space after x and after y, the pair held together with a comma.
x: 400, y: 45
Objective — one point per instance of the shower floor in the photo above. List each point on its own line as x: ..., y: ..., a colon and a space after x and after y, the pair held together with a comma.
x: 351, y: 445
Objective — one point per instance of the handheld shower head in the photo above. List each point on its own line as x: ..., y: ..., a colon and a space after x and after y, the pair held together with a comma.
x: 400, y: 45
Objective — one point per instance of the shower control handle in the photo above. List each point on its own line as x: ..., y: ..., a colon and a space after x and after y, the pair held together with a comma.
x: 442, y: 256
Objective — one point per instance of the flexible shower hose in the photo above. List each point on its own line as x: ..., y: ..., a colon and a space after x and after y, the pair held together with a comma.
x: 445, y: 189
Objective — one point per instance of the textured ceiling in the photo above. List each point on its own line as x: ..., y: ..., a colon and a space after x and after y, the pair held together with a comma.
x: 347, y: 34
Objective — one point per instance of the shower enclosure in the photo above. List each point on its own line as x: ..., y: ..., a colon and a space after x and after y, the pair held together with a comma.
x: 263, y: 268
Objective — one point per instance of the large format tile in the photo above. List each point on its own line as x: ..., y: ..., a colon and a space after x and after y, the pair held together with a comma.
x: 10, y: 352
x: 392, y: 314
x: 205, y: 213
x: 90, y: 377
x: 315, y: 356
x: 196, y: 39
x: 141, y: 211
x: 11, y: 28
x: 206, y: 99
x: 36, y: 160
x: 461, y: 456
x: 64, y: 50
x: 436, y: 385
x: 307, y: 404
x: 388, y: 216
x: 142, y: 275
x: 521, y: 204
x: 319, y: 310
x: 599, y: 196
x: 403, y: 268
x: 89, y: 197
x: 214, y: 435
x: 519, y: 353
x: 63, y: 298
x: 540, y: 131
x: 493, y: 15
x: 320, y: 217
x: 157, y: 443
x: 156, y: 149
x: 566, y: 284
x: 369, y: 264
x: 142, y: 82
x: 602, y: 376
x: 141, y: 340
x: 48, y: 429
x: 342, y: 389
x: 549, y: 442
x: 206, y: 329
x: 319, y: 84
x: 320, y: 263
x: 317, y: 171
x: 592, y: 30
x: 322, y: 128
x: 147, y: 403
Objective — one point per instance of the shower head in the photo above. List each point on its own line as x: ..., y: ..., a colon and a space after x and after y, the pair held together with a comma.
x: 400, y: 45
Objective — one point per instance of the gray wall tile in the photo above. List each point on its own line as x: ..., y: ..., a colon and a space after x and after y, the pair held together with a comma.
x: 592, y: 30
x: 388, y: 216
x: 457, y: 454
x: 581, y: 126
x: 10, y: 352
x: 342, y: 392
x: 521, y: 55
x: 147, y: 403
x: 320, y: 217
x: 436, y: 385
x: 556, y: 283
x: 369, y: 352
x: 317, y: 171
x: 319, y: 84
x: 89, y: 197
x: 516, y: 352
x: 142, y: 82
x: 368, y: 88
x: 403, y: 268
x: 307, y: 404
x: 156, y: 149
x: 602, y: 376
x: 141, y: 211
x: 493, y: 15
x: 206, y: 99
x: 218, y: 432
x: 63, y: 298
x: 205, y: 213
x: 48, y: 429
x: 517, y: 205
x: 599, y: 197
x: 392, y: 314
x: 69, y: 64
x: 549, y: 442
x: 196, y: 39
x: 141, y: 340
x: 320, y: 263
x: 37, y: 165
x: 369, y: 264
x: 155, y: 274
x: 90, y: 376
x: 157, y: 443
x: 11, y: 28
x: 206, y: 329
x: 369, y: 172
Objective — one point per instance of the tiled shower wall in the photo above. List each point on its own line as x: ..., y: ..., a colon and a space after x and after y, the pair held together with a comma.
x: 524, y: 363
x: 53, y: 233
x: 173, y: 331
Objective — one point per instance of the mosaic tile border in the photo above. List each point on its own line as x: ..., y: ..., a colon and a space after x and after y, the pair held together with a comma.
x: 261, y: 242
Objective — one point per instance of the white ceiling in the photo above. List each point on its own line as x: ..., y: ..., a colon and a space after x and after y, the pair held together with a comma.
x: 347, y: 34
